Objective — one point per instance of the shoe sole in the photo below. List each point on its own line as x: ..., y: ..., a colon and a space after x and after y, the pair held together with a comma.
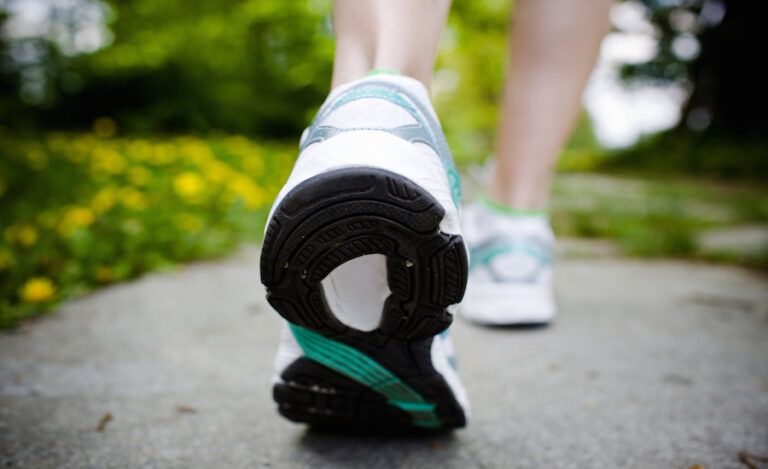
x: 350, y: 378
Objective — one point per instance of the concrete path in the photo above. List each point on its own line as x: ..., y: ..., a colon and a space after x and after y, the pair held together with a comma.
x: 652, y: 364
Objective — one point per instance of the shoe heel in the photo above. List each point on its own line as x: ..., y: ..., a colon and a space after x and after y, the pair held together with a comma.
x: 346, y: 213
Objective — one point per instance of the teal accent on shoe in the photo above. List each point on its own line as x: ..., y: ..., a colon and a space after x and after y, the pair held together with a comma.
x: 484, y: 254
x: 442, y: 149
x: 360, y: 367
x: 383, y: 71
x: 410, y: 132
x: 454, y: 181
x: 508, y: 211
x: 372, y: 91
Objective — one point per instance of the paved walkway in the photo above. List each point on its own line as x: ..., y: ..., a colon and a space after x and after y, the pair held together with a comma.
x: 653, y: 364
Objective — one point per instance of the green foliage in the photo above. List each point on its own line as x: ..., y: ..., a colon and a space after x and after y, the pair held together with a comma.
x: 84, y: 210
x: 643, y: 232
x: 258, y: 67
x: 469, y: 74
x: 658, y: 217
x: 681, y: 152
x: 671, y: 20
x: 246, y: 66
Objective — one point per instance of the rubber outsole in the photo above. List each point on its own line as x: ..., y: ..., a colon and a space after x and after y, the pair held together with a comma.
x: 326, y: 221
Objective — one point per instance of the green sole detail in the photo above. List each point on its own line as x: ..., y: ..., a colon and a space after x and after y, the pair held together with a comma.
x: 360, y: 367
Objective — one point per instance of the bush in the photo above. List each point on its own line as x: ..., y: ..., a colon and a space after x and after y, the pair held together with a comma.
x: 85, y: 210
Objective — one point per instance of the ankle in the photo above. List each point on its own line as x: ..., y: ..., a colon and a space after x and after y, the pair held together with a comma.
x: 520, y: 198
x: 509, y: 210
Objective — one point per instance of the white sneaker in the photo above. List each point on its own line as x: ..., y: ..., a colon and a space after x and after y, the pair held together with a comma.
x: 362, y: 256
x: 510, y: 280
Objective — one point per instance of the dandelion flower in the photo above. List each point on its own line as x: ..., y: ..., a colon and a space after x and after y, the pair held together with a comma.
x: 138, y: 176
x: 104, y: 199
x: 25, y: 235
x: 37, y: 290
x: 188, y: 185
x: 75, y: 218
x: 133, y: 199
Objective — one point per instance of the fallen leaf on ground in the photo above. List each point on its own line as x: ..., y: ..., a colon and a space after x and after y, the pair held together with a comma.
x: 752, y: 460
x: 103, y: 421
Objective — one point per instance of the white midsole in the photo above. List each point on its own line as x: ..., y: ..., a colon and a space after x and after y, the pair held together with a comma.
x: 507, y: 291
x: 494, y: 303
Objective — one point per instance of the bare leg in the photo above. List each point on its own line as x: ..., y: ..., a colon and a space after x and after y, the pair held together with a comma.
x: 389, y: 34
x: 553, y: 46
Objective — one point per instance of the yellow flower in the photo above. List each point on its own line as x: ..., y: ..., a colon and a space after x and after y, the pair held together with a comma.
x: 6, y: 259
x: 133, y: 199
x: 195, y: 150
x: 245, y: 189
x: 58, y: 141
x: 217, y: 172
x: 25, y: 235
x: 37, y: 159
x: 75, y: 218
x: 108, y: 161
x: 138, y: 176
x: 162, y: 154
x: 188, y: 222
x: 238, y: 141
x: 37, y: 290
x: 188, y: 185
x: 253, y: 163
x: 104, y: 200
x: 139, y: 150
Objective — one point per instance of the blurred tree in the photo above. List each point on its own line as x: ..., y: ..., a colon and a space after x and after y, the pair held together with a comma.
x: 251, y: 66
x: 25, y: 64
x: 714, y: 45
x: 262, y: 67
x: 9, y: 76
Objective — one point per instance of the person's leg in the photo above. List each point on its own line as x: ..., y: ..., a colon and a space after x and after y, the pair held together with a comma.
x: 399, y: 35
x: 553, y: 46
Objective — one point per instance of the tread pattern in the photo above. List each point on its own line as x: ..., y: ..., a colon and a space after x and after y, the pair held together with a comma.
x: 314, y: 394
x: 337, y: 216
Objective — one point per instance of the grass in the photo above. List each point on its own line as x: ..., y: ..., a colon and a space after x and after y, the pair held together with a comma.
x: 659, y: 217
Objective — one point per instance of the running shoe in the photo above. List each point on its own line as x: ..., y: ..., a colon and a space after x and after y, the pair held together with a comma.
x: 363, y: 257
x: 510, y: 279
